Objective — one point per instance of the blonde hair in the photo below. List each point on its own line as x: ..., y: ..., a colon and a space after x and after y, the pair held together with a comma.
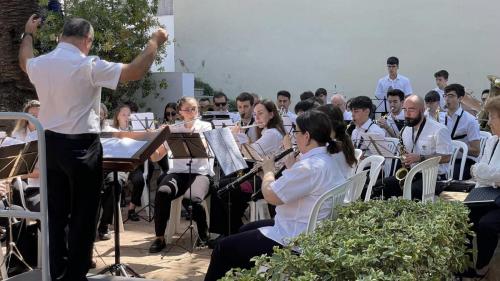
x: 493, y: 105
x: 116, y: 123
x: 22, y: 124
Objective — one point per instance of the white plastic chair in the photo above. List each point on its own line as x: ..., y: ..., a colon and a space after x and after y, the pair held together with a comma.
x: 259, y: 210
x: 336, y: 195
x: 390, y: 164
x: 458, y: 146
x: 484, y: 137
x: 358, y: 153
x: 174, y: 221
x: 375, y: 162
x: 355, y: 188
x: 429, y: 170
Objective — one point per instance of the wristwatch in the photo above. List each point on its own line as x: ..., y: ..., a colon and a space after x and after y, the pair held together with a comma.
x: 26, y: 34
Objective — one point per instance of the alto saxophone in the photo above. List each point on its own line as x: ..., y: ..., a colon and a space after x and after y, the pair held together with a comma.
x: 402, y: 172
x: 437, y: 114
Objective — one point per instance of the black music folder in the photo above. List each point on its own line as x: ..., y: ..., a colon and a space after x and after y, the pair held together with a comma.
x: 18, y: 159
x: 482, y: 196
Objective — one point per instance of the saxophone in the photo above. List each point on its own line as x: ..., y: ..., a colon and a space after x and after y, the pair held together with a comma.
x: 402, y: 172
x: 437, y: 114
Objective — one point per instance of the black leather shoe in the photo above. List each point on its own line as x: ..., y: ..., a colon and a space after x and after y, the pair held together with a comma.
x: 158, y: 245
x: 213, y: 242
x: 133, y: 216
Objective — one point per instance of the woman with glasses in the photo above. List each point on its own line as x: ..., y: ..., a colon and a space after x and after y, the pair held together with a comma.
x: 294, y: 194
x: 170, y: 113
x: 178, y: 181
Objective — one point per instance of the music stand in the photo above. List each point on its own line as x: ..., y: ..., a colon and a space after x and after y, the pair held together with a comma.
x: 16, y: 160
x: 124, y: 152
x: 186, y: 146
x: 228, y: 156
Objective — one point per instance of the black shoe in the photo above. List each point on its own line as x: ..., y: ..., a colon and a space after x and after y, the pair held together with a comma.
x: 133, y: 216
x: 93, y: 264
x: 103, y: 236
x: 158, y: 245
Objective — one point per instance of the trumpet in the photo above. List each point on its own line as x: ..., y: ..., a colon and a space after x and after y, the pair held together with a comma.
x: 257, y: 168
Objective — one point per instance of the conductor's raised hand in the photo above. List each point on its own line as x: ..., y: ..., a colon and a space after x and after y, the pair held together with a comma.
x: 160, y: 36
x: 32, y: 24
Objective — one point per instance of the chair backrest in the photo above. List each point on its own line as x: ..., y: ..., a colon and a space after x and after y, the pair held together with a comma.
x: 375, y: 162
x: 458, y: 146
x: 484, y: 137
x: 355, y: 188
x: 429, y: 170
x: 358, y: 153
x: 390, y: 164
x: 336, y: 195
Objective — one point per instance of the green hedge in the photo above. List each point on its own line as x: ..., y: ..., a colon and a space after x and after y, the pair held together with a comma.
x: 376, y: 240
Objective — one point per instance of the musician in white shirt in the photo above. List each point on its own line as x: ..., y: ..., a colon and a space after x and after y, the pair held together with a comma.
x: 423, y: 138
x: 361, y: 108
x: 294, y: 194
x: 178, y: 180
x: 391, y: 81
x: 283, y: 101
x: 394, y: 121
x: 463, y: 127
x: 433, y: 109
x: 245, y: 104
x: 486, y: 220
x: 270, y: 131
x: 441, y: 83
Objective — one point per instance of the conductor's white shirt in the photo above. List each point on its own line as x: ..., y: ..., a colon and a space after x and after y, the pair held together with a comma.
x: 434, y: 139
x: 298, y: 188
x: 199, y: 165
x: 68, y: 84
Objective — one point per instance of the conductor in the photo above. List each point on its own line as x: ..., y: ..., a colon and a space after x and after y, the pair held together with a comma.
x: 68, y: 82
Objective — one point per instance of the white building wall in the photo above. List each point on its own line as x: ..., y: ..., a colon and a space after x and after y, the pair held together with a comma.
x: 263, y: 46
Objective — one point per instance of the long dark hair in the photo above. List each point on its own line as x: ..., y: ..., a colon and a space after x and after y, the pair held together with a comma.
x: 276, y: 122
x: 172, y: 105
x: 338, y: 126
x: 319, y: 127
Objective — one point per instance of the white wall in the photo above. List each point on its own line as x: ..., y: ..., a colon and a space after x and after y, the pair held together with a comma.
x: 168, y: 63
x: 263, y: 46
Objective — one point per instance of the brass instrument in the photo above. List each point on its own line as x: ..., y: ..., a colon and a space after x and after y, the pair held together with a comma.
x: 402, y: 172
x: 436, y: 113
x: 494, y: 91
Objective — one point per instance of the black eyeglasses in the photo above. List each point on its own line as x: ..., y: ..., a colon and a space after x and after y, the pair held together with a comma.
x: 220, y: 104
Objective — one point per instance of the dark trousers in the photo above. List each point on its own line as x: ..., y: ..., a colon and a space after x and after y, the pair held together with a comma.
x: 486, y: 225
x: 391, y: 187
x: 456, y: 169
x: 174, y: 186
x: 237, y: 250
x: 107, y: 199
x: 136, y: 177
x: 74, y: 181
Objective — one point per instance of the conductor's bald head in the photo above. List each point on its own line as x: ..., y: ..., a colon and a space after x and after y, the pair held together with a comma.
x: 414, y: 107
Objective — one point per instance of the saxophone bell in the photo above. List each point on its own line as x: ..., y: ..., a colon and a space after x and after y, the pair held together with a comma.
x: 402, y: 172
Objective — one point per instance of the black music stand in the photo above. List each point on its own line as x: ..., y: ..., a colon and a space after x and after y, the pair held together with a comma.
x: 16, y: 160
x: 186, y: 146
x: 126, y: 157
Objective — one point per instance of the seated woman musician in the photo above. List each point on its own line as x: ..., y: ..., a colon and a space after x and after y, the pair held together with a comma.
x: 294, y: 194
x: 178, y: 181
x: 486, y: 219
x: 270, y: 132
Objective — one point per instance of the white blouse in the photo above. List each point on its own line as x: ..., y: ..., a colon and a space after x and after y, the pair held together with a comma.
x: 269, y: 143
x: 198, y: 166
x: 487, y: 171
x: 300, y: 186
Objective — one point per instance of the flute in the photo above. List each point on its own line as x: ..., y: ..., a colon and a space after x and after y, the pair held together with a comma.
x: 250, y: 126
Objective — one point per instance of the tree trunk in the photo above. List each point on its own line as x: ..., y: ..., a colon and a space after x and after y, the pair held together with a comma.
x: 15, y: 87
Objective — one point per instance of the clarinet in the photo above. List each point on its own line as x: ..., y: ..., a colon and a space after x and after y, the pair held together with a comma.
x: 234, y: 184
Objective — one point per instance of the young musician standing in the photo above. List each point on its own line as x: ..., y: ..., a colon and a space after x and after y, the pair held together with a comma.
x: 294, y: 194
x: 463, y: 127
x: 68, y: 83
x: 178, y: 181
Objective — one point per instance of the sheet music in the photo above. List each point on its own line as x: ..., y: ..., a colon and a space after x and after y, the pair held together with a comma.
x: 120, y: 147
x: 378, y: 145
x: 225, y: 149
x: 142, y: 121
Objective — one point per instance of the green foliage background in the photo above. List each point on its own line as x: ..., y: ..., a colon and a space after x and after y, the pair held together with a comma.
x: 376, y: 240
x: 121, y: 31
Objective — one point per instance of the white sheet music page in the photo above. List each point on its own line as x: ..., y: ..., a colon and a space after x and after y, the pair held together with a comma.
x: 120, y: 147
